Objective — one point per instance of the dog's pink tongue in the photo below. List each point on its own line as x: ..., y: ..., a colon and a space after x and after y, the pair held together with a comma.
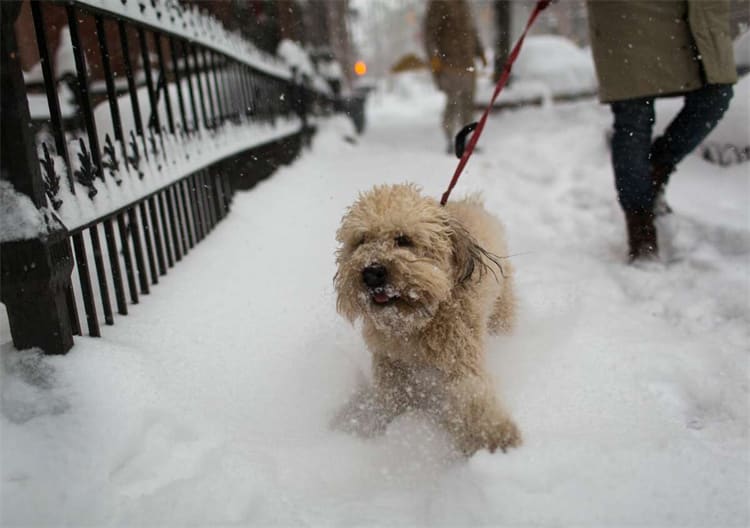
x: 381, y: 297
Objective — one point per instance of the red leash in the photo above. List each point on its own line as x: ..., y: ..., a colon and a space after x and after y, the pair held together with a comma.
x: 540, y: 6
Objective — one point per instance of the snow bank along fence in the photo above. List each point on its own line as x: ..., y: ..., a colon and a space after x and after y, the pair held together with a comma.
x: 146, y: 117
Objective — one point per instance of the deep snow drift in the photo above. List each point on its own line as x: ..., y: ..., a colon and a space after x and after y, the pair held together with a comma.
x: 210, y: 403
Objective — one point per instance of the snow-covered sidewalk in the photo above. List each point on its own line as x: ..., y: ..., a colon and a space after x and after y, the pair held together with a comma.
x: 209, y: 404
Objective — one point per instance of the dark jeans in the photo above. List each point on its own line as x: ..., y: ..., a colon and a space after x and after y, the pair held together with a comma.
x: 632, y: 150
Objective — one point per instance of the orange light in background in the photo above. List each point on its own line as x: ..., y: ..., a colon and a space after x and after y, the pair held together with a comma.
x: 360, y: 68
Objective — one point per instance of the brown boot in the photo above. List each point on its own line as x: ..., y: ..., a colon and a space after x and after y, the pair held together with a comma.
x: 641, y: 236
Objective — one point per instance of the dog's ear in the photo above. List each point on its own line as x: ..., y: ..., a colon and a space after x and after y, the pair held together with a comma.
x: 468, y: 255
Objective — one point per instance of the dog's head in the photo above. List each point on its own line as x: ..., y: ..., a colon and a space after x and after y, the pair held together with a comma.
x: 400, y: 255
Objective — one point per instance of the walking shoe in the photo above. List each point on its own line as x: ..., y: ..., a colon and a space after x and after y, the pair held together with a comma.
x: 641, y: 236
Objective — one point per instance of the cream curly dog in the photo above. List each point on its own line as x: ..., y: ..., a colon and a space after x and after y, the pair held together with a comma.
x: 428, y: 285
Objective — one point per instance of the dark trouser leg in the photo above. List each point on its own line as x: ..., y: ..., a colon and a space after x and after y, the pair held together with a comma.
x: 631, y: 143
x: 702, y: 111
x: 642, y: 170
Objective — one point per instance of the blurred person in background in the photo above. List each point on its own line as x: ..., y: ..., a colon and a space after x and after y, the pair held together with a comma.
x: 452, y: 43
x: 647, y: 49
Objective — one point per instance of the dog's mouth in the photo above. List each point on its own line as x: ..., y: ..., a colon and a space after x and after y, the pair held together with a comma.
x: 384, y: 296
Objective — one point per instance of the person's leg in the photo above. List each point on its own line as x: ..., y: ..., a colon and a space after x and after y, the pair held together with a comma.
x: 631, y: 141
x: 463, y: 104
x: 451, y: 88
x: 466, y: 115
x: 448, y: 115
x: 700, y: 114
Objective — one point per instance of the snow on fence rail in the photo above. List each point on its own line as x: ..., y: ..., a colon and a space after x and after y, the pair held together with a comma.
x: 137, y: 172
x: 190, y: 23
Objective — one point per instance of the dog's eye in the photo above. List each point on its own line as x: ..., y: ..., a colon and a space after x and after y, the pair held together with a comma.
x: 359, y: 241
x: 404, y: 241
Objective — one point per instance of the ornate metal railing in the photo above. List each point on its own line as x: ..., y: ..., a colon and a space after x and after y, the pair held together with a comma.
x: 146, y: 117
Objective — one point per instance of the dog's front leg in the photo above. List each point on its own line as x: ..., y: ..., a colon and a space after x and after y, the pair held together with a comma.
x: 474, y: 417
x: 372, y: 408
x: 393, y: 388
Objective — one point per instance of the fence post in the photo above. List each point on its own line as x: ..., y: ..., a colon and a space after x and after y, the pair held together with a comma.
x: 34, y: 274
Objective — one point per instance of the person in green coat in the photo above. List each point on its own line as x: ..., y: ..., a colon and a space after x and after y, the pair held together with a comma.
x: 648, y: 49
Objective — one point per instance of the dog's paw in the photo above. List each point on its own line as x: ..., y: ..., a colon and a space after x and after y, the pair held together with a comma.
x: 504, y: 436
x: 501, y: 435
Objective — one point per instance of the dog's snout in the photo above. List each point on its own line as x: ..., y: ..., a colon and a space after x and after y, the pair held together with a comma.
x: 374, y: 275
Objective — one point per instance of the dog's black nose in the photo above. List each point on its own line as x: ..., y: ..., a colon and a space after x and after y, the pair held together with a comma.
x: 374, y: 275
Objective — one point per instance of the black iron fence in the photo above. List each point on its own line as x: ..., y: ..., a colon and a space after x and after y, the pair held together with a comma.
x: 129, y: 138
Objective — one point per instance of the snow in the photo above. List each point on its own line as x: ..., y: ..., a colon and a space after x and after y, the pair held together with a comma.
x: 549, y: 66
x: 39, y: 105
x: 19, y: 217
x: 557, y: 62
x: 209, y: 404
x: 742, y: 50
x: 331, y: 69
x: 734, y: 128
x: 65, y: 59
x: 296, y: 57
x: 34, y: 75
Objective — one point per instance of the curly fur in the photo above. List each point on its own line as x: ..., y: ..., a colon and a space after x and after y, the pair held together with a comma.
x: 446, y: 289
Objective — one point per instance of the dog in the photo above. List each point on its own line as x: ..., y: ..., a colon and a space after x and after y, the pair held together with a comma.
x: 428, y: 284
